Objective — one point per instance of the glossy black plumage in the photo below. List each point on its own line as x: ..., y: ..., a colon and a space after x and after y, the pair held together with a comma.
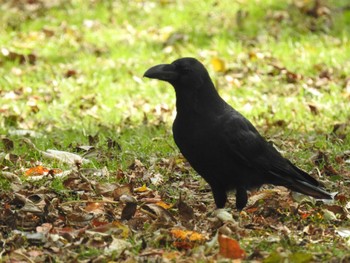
x: 221, y: 144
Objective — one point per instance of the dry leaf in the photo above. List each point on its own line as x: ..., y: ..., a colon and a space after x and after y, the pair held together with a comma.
x: 111, y: 228
x: 159, y: 212
x: 186, y: 212
x: 143, y: 188
x: 65, y: 157
x: 218, y: 64
x: 343, y: 232
x: 229, y: 248
x: 185, y: 239
x: 187, y: 235
x: 8, y: 144
x: 223, y: 215
x: 122, y: 190
x: 37, y: 170
x: 117, y: 247
x: 95, y: 207
x: 128, y: 211
x: 164, y: 205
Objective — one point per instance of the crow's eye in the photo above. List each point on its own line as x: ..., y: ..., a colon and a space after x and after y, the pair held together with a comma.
x: 185, y: 70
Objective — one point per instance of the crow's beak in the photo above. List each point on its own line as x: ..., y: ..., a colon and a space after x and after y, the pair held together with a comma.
x: 166, y: 72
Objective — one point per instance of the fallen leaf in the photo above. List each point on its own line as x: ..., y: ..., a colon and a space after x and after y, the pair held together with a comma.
x: 26, y: 133
x: 128, y: 211
x: 164, y: 205
x: 223, y: 215
x: 183, y: 245
x: 292, y: 77
x: 122, y: 190
x: 143, y: 188
x: 230, y: 248
x: 8, y: 144
x: 114, y: 227
x: 125, y: 198
x: 314, y: 109
x: 343, y: 232
x: 70, y: 73
x: 186, y: 212
x: 156, y: 179
x: 186, y: 235
x: 218, y: 64
x: 117, y: 247
x: 65, y: 157
x: 341, y: 198
x: 329, y: 215
x: 185, y: 239
x: 94, y: 207
x: 37, y: 170
x: 158, y: 212
x: 20, y: 58
x: 11, y: 177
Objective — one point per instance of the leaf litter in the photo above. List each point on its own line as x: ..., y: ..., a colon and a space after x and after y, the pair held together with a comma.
x: 106, y: 216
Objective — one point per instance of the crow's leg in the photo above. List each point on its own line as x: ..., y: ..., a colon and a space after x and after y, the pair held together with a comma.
x: 220, y: 196
x: 241, y: 198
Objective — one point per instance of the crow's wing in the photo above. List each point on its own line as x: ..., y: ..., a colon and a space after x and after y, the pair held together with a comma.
x: 246, y: 145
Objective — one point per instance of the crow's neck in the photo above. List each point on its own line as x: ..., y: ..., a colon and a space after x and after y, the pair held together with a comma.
x: 198, y: 101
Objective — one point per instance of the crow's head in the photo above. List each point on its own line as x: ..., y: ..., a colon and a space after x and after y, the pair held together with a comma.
x: 182, y: 73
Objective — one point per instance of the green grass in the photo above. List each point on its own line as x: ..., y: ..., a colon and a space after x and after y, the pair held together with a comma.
x: 106, y: 46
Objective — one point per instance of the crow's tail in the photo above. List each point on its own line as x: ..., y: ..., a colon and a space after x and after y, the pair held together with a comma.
x: 311, y: 190
x: 299, y: 181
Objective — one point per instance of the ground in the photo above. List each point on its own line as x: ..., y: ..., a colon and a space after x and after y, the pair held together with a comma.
x: 89, y: 171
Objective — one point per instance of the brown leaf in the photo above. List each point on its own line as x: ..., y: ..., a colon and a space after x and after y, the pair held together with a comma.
x: 122, y: 190
x: 112, y: 144
x: 343, y: 157
x: 343, y: 199
x: 229, y: 248
x: 320, y: 158
x: 338, y: 126
x: 128, y: 211
x: 79, y: 218
x: 313, y: 108
x: 93, y: 139
x: 13, y: 56
x: 292, y: 77
x: 337, y: 209
x: 44, y: 228
x: 114, y: 227
x: 186, y: 212
x: 8, y: 144
x: 280, y: 123
x: 13, y: 158
x: 48, y: 32
x: 94, y: 207
x: 70, y: 73
x: 183, y: 245
x: 158, y: 212
x: 330, y: 170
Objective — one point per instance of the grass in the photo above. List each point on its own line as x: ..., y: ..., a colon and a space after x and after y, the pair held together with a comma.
x: 285, y: 71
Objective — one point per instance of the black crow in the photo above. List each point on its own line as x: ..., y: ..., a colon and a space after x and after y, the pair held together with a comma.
x: 220, y: 143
